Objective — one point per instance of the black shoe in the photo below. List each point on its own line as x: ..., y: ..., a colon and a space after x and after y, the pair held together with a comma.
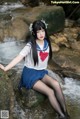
x: 60, y: 117
x: 67, y: 115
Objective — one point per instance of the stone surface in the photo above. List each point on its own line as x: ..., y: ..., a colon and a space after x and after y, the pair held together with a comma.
x: 18, y: 26
x: 68, y: 62
x: 6, y: 94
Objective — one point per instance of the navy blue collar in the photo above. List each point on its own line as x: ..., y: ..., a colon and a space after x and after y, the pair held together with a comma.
x: 45, y: 46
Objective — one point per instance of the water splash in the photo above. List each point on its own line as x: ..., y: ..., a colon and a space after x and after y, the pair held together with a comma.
x: 9, y: 49
x: 72, y: 88
x: 18, y: 112
x: 10, y: 6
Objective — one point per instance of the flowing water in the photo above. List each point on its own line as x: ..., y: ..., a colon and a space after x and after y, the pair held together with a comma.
x: 8, y: 50
x: 6, y: 7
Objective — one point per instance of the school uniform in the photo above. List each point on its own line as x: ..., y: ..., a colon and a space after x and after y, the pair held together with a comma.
x: 31, y: 74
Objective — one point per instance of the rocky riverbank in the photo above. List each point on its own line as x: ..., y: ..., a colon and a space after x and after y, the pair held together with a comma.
x: 65, y: 41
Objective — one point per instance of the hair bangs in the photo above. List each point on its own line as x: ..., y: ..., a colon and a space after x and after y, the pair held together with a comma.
x: 39, y: 26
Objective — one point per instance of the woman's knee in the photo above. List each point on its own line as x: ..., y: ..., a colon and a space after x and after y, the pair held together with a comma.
x: 57, y: 84
x: 50, y: 92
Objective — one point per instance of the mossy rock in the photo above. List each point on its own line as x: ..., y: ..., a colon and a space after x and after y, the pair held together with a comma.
x: 55, y: 18
x: 29, y: 98
x: 6, y: 93
x: 26, y: 98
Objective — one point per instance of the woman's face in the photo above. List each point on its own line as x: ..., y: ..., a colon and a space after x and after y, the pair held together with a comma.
x: 41, y: 34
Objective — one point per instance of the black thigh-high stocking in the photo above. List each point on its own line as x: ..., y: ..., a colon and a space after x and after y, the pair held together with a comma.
x: 60, y: 98
x: 43, y: 88
x: 57, y: 90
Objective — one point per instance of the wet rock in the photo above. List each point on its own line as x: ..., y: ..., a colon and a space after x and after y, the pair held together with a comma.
x: 17, y: 28
x: 55, y: 76
x: 5, y: 17
x: 1, y: 36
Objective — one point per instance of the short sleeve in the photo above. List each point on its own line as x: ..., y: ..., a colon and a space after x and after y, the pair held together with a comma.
x: 24, y: 52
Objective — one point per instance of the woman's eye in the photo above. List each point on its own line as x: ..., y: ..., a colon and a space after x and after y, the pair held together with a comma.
x: 42, y: 30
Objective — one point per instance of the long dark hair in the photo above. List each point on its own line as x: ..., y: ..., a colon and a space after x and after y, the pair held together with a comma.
x: 38, y: 25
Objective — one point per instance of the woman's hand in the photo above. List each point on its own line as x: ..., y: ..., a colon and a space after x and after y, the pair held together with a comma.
x: 2, y: 67
x: 12, y: 63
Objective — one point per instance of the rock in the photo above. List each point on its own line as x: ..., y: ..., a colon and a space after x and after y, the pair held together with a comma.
x: 76, y: 45
x: 71, y: 33
x: 55, y: 47
x: 29, y: 98
x: 1, y: 34
x: 58, y: 38
x: 6, y: 94
x: 78, y: 22
x: 19, y: 29
x: 18, y: 26
x: 55, y: 76
x: 30, y: 3
x: 69, y: 23
x: 25, y: 98
x: 78, y: 37
x: 69, y: 62
x: 3, y: 1
x: 55, y: 17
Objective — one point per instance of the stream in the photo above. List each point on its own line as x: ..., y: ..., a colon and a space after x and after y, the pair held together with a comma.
x: 10, y: 48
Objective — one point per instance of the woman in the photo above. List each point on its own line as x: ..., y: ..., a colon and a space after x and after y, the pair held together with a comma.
x: 37, y: 52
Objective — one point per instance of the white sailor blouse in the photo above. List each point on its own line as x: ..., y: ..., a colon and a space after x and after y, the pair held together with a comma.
x: 43, y: 56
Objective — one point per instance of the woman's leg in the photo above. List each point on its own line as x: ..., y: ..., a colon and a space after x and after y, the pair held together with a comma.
x: 57, y: 89
x: 43, y: 88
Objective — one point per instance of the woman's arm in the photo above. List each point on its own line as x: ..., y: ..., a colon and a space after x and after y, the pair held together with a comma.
x: 15, y: 61
x: 24, y: 52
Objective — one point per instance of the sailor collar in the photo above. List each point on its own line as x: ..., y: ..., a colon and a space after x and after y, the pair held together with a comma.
x: 45, y: 46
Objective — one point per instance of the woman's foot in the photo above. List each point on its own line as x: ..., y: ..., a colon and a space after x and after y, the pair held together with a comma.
x: 67, y: 115
x: 62, y: 117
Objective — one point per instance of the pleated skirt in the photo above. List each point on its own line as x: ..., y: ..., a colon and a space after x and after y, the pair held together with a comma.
x: 30, y: 77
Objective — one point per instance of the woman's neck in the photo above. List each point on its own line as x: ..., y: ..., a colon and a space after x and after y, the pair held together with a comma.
x: 41, y: 42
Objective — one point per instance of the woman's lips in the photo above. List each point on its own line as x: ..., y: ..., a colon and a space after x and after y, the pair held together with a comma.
x: 41, y: 37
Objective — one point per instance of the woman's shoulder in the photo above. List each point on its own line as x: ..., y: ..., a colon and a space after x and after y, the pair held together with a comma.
x: 28, y: 44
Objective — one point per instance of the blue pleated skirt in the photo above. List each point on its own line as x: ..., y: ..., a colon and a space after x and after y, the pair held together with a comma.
x: 30, y: 77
